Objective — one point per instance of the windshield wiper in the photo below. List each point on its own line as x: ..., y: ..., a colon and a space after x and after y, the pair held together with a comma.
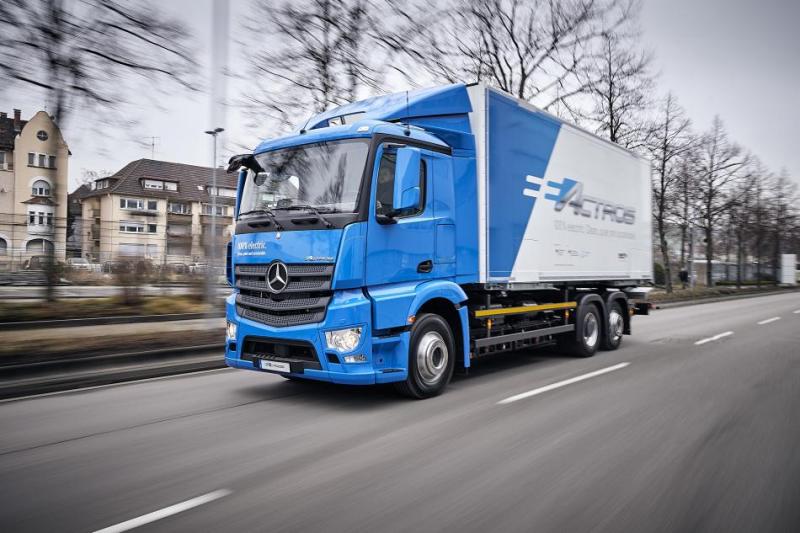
x: 306, y: 207
x: 263, y: 211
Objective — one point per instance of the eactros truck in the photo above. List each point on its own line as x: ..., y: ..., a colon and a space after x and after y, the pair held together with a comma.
x: 403, y: 237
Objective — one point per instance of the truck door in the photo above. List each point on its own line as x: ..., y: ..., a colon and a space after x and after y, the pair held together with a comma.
x: 399, y: 248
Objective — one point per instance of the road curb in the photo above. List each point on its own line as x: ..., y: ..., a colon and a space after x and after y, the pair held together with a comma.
x: 684, y: 303
x: 72, y: 372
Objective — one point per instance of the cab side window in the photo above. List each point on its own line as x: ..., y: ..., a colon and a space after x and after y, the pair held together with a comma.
x: 385, y: 192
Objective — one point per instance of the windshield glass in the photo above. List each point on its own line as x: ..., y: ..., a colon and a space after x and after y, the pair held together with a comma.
x: 325, y: 176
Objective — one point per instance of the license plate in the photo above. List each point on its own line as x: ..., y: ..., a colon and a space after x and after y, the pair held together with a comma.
x: 274, y: 366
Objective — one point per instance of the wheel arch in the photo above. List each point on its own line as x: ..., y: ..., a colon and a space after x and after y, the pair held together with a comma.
x: 447, y: 300
x: 623, y: 301
x: 591, y: 298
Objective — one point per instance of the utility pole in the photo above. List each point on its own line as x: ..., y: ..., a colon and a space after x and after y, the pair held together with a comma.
x: 212, y: 261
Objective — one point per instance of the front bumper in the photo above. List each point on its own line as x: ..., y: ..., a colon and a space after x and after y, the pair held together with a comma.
x: 386, y: 356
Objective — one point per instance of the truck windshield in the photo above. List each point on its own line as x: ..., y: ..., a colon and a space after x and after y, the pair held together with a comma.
x: 323, y: 176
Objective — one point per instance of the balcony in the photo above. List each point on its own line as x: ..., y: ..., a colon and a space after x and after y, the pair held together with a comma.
x: 179, y: 218
x: 40, y: 229
x: 178, y: 235
x: 142, y: 212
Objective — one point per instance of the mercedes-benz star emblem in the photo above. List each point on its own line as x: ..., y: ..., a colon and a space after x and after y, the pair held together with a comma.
x: 277, y: 277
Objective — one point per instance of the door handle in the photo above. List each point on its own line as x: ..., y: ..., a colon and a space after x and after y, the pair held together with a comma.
x: 425, y: 267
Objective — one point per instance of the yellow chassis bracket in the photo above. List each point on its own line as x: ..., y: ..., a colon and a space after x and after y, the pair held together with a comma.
x: 524, y: 309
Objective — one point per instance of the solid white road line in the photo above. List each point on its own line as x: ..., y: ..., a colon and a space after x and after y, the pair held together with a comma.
x: 767, y: 321
x: 559, y: 384
x: 714, y: 338
x: 165, y: 512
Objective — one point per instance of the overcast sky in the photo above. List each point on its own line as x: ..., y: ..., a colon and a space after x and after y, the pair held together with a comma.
x: 736, y: 58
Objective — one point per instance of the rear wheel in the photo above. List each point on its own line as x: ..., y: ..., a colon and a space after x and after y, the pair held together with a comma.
x: 587, y: 332
x: 431, y: 358
x: 616, y: 327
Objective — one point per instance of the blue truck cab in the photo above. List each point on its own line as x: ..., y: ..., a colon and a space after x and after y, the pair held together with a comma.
x: 358, y: 255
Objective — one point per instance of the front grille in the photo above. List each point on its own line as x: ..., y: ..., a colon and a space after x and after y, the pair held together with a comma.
x: 298, y: 353
x: 303, y: 301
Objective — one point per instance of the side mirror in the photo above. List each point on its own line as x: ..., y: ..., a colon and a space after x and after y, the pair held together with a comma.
x: 406, y: 179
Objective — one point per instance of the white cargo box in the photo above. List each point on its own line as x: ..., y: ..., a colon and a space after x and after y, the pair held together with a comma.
x: 556, y: 203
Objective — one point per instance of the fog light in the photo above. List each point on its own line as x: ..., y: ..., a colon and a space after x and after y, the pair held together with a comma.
x: 343, y: 340
x: 355, y: 358
x: 230, y: 330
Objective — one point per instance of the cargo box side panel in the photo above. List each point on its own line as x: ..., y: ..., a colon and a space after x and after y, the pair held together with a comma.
x: 520, y: 141
x: 591, y: 217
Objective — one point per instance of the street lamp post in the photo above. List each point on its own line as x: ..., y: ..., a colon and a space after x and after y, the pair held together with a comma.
x: 215, y: 191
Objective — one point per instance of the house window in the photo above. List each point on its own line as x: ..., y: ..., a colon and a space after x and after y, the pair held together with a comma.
x: 2, y: 162
x: 128, y: 226
x: 222, y: 191
x: 40, y: 188
x: 151, y: 228
x: 131, y: 203
x: 41, y: 160
x: 178, y: 208
x: 41, y: 135
x: 3, y: 246
x: 170, y: 186
x: 208, y: 210
x: 137, y: 204
x: 50, y: 219
x: 31, y: 217
x: 41, y: 218
x: 153, y: 184
x: 102, y: 184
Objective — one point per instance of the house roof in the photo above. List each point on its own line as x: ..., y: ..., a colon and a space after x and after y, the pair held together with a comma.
x: 7, y: 132
x: 192, y: 181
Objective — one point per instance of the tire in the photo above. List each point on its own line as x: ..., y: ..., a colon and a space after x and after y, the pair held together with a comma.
x: 588, y: 332
x: 616, y: 325
x: 431, y: 358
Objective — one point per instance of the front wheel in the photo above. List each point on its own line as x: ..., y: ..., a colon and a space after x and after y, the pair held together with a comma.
x: 431, y: 358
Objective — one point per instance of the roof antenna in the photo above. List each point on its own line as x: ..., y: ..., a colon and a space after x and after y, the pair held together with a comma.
x: 407, y: 131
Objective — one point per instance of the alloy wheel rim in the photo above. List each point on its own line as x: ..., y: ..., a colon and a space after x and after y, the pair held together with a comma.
x: 616, y: 325
x: 432, y: 357
x: 590, y: 330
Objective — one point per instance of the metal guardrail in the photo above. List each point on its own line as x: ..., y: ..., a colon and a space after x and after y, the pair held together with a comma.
x: 105, y: 320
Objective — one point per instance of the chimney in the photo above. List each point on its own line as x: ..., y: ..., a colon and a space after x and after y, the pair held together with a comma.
x: 17, y: 117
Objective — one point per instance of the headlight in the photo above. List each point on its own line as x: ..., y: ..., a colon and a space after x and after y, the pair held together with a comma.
x: 343, y: 340
x: 230, y: 330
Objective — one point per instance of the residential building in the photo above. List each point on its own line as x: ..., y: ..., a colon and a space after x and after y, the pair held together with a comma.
x: 75, y: 220
x: 159, y: 211
x: 34, y: 162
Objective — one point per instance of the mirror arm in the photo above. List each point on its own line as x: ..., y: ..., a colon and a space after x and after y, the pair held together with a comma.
x: 385, y: 219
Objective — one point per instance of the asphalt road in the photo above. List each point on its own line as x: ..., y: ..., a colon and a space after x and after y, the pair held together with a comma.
x: 700, y: 431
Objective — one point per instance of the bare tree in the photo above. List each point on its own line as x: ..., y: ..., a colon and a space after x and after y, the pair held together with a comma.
x: 536, y: 50
x: 782, y: 197
x: 720, y: 161
x: 669, y: 139
x: 309, y: 55
x: 83, y: 53
x: 619, y: 83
